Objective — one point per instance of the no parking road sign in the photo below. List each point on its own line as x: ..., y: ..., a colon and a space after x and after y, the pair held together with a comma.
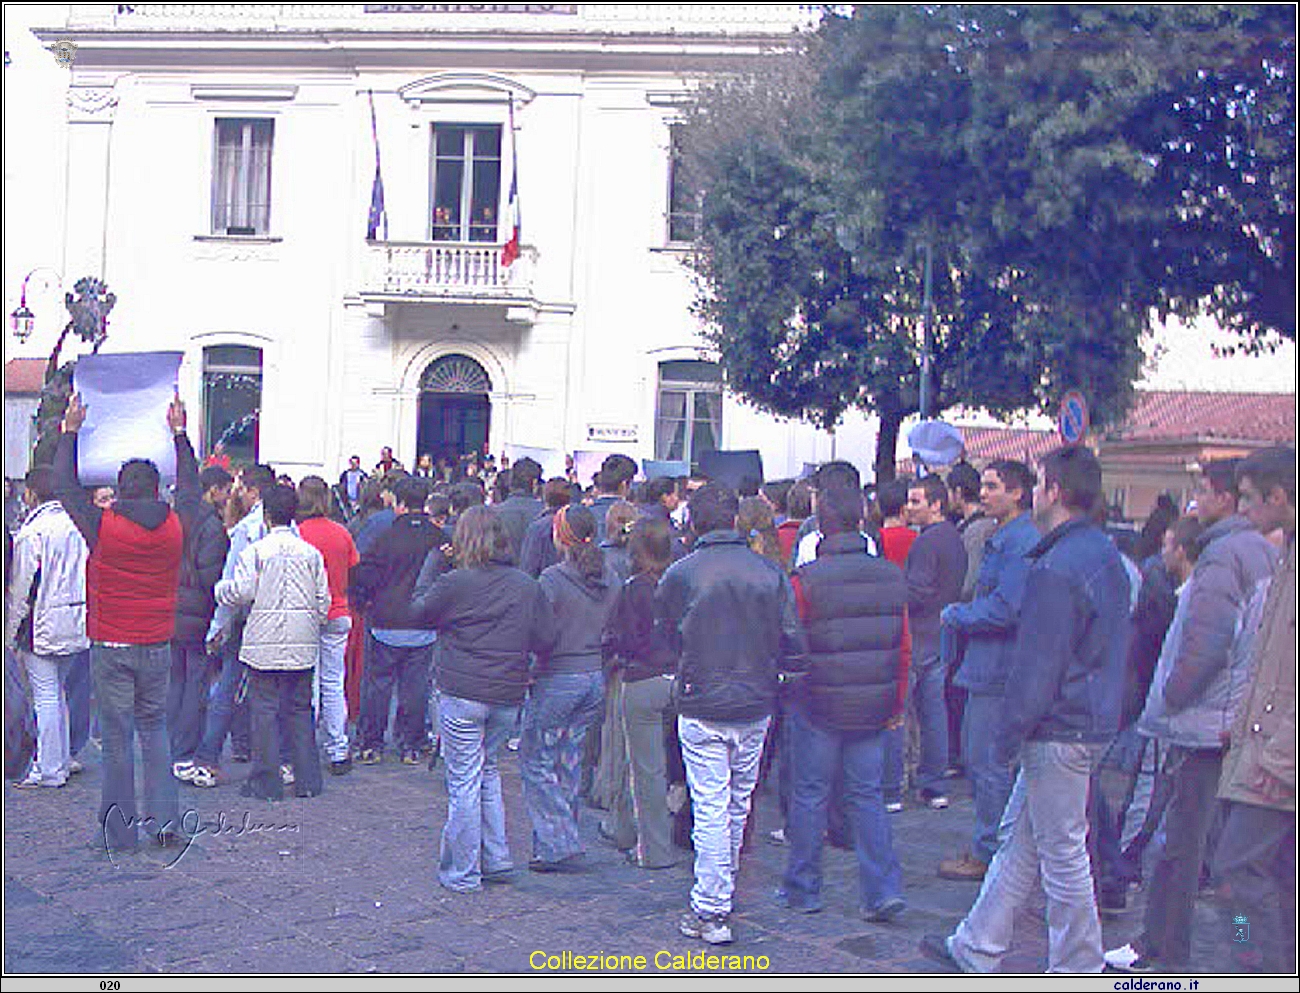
x: 1072, y: 420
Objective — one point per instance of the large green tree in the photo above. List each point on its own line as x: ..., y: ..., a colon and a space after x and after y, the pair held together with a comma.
x: 1073, y: 172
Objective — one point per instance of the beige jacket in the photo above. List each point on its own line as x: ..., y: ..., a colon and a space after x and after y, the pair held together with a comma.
x: 283, y: 578
x: 1260, y: 765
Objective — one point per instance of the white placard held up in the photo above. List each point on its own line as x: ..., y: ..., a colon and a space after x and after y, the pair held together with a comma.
x: 551, y: 461
x: 126, y: 396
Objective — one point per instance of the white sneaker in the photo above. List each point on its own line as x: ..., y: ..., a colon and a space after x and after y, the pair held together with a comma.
x: 33, y: 781
x: 1125, y: 959
x: 894, y: 807
x: 714, y: 930
x: 184, y: 771
x: 777, y: 837
x: 286, y: 774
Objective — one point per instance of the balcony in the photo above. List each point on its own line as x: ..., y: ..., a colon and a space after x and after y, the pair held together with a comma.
x: 405, y: 272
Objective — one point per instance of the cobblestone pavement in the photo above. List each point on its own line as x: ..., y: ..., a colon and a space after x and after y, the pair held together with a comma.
x: 345, y: 883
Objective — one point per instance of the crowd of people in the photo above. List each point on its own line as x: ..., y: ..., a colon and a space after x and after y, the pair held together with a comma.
x: 653, y: 649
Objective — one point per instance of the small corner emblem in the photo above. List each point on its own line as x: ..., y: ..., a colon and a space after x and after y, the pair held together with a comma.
x: 64, y: 53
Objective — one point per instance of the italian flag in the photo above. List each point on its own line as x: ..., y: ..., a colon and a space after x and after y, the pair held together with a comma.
x: 510, y: 251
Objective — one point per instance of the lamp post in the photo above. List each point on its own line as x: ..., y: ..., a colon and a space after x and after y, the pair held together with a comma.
x: 22, y: 321
x: 927, y: 332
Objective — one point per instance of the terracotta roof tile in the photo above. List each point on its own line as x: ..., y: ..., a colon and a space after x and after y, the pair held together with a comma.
x: 24, y: 375
x: 1167, y: 415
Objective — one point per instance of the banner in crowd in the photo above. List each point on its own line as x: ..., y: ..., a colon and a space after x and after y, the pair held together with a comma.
x: 731, y: 468
x: 126, y: 397
x: 551, y: 461
x: 587, y: 464
x: 673, y: 470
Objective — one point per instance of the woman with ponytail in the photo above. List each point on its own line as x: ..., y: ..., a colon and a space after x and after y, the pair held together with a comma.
x: 568, y: 692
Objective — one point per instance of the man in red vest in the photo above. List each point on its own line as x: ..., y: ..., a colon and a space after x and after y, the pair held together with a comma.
x: 131, y: 581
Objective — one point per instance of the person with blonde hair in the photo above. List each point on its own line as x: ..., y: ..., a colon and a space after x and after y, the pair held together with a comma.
x: 758, y: 523
x: 489, y: 616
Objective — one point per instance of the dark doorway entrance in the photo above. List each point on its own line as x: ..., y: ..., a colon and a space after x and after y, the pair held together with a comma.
x: 454, y: 411
x: 452, y: 425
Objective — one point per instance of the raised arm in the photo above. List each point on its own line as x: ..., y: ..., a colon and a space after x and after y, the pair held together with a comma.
x: 188, y: 490
x: 67, y: 486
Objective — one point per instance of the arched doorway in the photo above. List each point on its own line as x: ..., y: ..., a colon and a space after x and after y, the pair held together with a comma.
x: 454, y: 410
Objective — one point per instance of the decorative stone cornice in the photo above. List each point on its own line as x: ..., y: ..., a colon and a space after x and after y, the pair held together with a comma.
x: 91, y: 104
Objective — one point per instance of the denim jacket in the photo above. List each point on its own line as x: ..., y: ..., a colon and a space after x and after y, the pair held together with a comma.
x: 1065, y: 680
x: 988, y: 622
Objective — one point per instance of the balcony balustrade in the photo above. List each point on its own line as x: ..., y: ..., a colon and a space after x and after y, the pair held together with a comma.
x: 442, y: 270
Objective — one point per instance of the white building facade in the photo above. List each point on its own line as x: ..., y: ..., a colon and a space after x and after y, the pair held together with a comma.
x: 221, y: 164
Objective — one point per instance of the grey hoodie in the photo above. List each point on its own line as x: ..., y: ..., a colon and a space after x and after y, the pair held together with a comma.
x: 581, y: 607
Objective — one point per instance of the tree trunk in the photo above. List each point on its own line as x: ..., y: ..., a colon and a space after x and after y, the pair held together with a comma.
x: 891, y: 423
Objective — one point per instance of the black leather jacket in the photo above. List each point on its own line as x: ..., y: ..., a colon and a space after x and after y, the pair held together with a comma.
x: 730, y: 615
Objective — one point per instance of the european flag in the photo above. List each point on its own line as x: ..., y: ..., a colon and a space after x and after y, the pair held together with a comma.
x: 377, y: 212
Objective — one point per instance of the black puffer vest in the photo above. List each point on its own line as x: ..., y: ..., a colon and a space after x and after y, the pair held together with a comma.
x: 855, y: 605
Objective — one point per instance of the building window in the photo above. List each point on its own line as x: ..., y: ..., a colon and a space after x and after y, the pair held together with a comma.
x: 466, y: 182
x: 689, y: 419
x: 1119, y: 502
x: 232, y: 400
x: 241, y: 177
x: 685, y: 214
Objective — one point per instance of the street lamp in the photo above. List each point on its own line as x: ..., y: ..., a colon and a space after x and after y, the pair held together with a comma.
x: 22, y: 321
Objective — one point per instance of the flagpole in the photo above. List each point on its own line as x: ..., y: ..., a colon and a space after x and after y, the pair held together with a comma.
x: 378, y: 212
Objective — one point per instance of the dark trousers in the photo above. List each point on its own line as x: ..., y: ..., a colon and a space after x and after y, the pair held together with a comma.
x: 277, y: 698
x: 1171, y: 895
x: 1255, y: 866
x: 187, y: 699
x: 388, y: 667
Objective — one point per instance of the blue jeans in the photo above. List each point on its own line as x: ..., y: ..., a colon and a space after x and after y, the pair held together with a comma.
x: 1045, y: 834
x: 331, y: 675
x: 406, y: 669
x: 721, y: 768
x: 474, y: 836
x: 221, y: 706
x: 131, y: 688
x: 990, y: 780
x: 187, y: 699
x: 926, y: 694
x: 76, y: 687
x: 817, y: 753
x: 561, y: 709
